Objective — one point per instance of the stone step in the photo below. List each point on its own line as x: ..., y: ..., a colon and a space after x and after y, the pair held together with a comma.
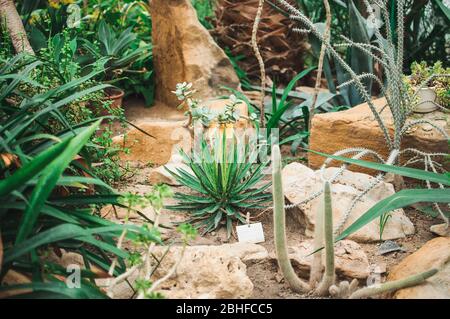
x: 162, y: 122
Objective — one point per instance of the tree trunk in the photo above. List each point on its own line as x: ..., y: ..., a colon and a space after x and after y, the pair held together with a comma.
x: 13, y: 22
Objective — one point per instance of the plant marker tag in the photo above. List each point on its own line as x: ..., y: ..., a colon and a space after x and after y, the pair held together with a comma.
x: 250, y: 233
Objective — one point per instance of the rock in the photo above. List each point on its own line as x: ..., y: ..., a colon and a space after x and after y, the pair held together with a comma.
x: 335, y: 131
x: 434, y: 254
x: 441, y: 230
x: 379, y: 268
x: 350, y: 259
x: 211, y: 272
x: 161, y: 175
x: 123, y: 290
x: 389, y: 246
x: 13, y: 278
x: 206, y: 271
x: 248, y: 253
x: 70, y: 258
x: 300, y: 182
x: 184, y: 51
x: 168, y: 138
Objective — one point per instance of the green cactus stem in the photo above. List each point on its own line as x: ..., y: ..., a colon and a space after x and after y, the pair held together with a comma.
x: 329, y: 276
x: 317, y: 265
x: 279, y: 221
x: 393, y: 285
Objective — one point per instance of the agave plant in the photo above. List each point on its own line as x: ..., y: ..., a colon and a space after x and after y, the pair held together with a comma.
x: 226, y: 182
x: 47, y: 202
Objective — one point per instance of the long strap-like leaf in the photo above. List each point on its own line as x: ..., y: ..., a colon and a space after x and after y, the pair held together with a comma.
x: 48, y: 180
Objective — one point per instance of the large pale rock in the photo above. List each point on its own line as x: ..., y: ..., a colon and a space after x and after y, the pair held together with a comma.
x: 350, y: 259
x: 161, y: 174
x: 185, y: 51
x: 168, y: 138
x: 300, y: 182
x: 206, y: 272
x: 434, y: 254
x: 356, y: 127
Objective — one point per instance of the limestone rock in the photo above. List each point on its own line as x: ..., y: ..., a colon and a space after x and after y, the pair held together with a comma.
x: 300, y: 182
x: 205, y: 272
x: 184, y: 51
x: 168, y: 138
x: 441, y: 230
x: 434, y: 254
x: 161, y: 175
x: 248, y: 253
x: 350, y: 259
x: 332, y: 132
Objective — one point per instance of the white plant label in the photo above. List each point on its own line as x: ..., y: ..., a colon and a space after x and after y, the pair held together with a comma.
x: 250, y: 233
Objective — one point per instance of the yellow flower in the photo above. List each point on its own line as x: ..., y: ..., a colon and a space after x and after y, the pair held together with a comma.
x: 54, y: 4
x: 67, y: 1
x: 95, y: 14
x: 34, y: 18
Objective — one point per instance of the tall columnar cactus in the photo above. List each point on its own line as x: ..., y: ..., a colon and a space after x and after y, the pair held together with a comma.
x: 317, y: 265
x: 279, y: 221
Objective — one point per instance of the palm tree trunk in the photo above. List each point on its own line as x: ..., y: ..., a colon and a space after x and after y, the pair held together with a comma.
x: 11, y: 19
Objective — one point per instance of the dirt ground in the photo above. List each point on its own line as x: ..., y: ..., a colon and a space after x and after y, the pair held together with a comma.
x: 268, y: 282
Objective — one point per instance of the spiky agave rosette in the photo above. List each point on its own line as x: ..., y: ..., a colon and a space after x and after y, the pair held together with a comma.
x: 226, y: 180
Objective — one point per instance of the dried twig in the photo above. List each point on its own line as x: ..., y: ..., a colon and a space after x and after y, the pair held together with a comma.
x: 323, y: 50
x: 260, y: 61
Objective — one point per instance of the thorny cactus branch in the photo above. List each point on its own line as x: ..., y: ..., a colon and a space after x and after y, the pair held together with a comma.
x: 279, y: 221
x: 378, y: 179
x: 393, y: 285
x: 360, y: 152
x: 323, y: 51
x: 429, y: 162
x: 260, y: 61
x: 359, y: 85
x: 424, y: 121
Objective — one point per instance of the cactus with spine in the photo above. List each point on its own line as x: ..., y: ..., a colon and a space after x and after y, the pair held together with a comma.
x: 322, y: 285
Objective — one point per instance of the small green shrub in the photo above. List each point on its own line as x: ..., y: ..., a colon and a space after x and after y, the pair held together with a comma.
x: 225, y: 180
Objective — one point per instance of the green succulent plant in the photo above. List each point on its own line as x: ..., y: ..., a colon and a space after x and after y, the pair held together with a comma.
x: 226, y: 182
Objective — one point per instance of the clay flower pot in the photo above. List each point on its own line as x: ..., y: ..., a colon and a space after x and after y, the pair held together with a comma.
x: 425, y: 104
x: 115, y: 95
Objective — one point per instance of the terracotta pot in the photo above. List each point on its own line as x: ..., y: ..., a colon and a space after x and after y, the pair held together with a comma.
x: 115, y: 95
x: 427, y: 97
